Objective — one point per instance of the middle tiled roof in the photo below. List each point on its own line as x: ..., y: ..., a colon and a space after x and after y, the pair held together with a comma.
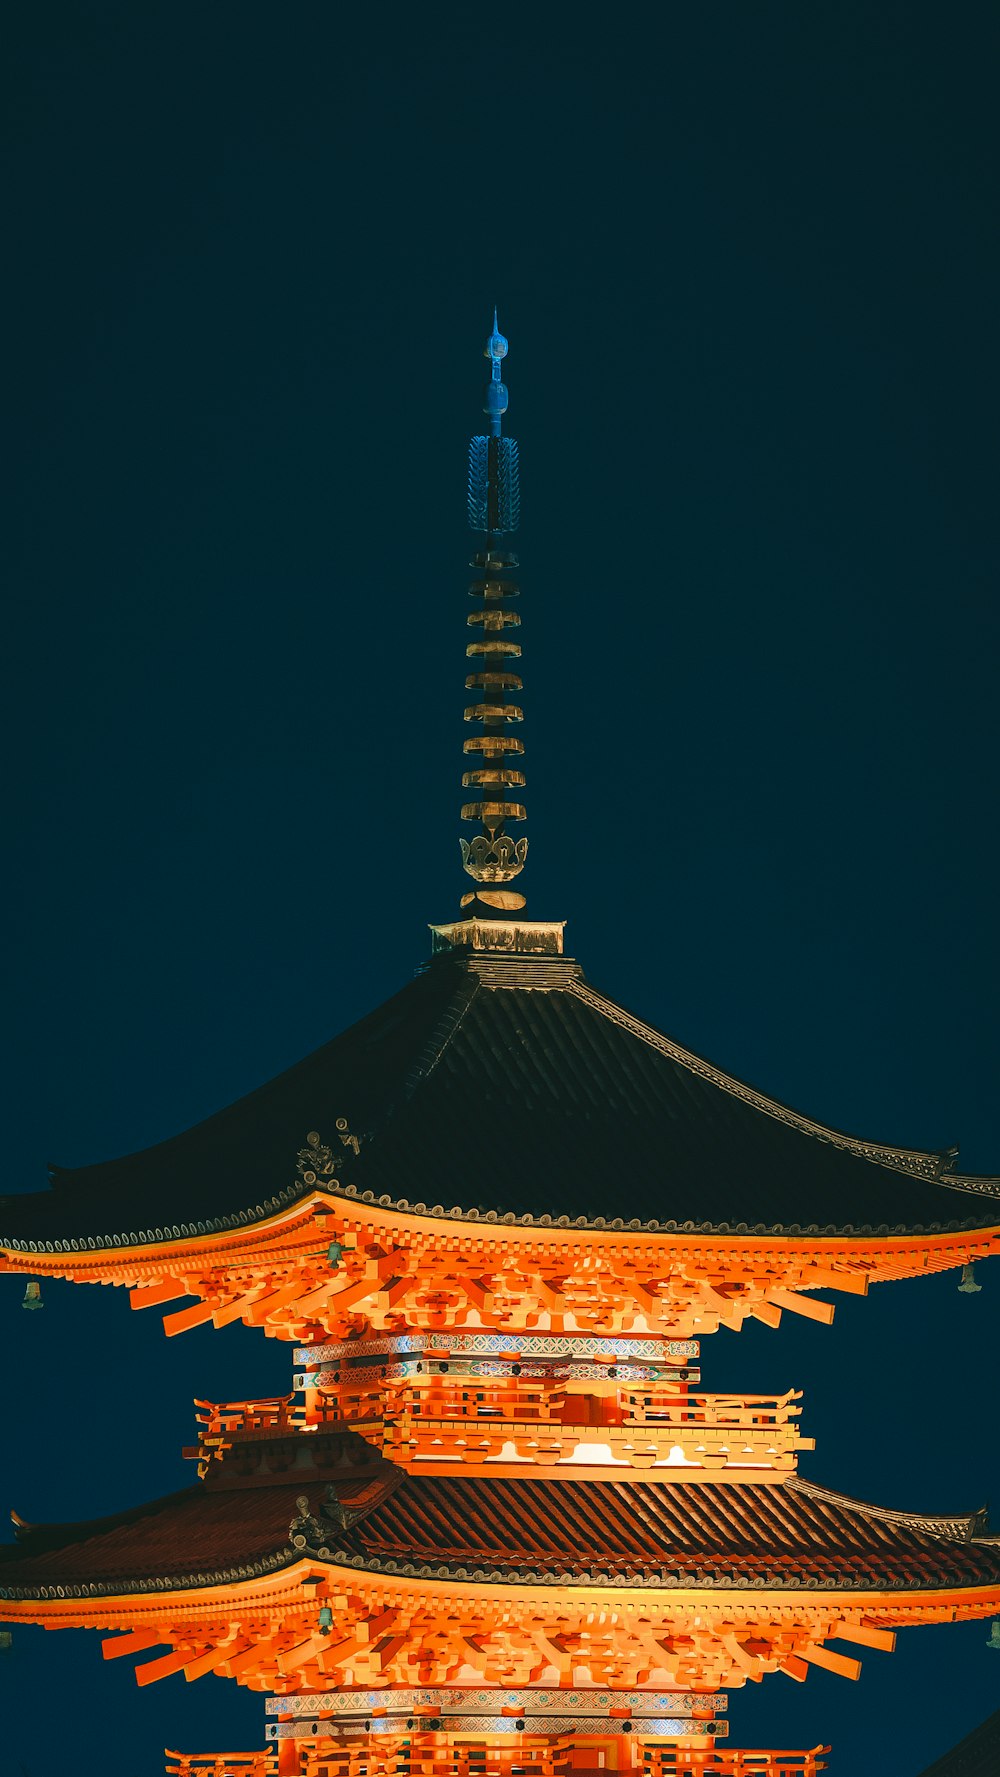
x: 789, y: 1535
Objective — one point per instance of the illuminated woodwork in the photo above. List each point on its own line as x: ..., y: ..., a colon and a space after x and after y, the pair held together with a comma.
x: 403, y: 1270
x: 426, y: 1403
x: 396, y: 1630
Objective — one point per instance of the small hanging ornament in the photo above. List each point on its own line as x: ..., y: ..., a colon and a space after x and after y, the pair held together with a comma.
x: 968, y: 1285
x: 326, y: 1620
x: 32, y: 1294
x: 334, y: 1254
x: 994, y: 1640
x: 6, y: 1641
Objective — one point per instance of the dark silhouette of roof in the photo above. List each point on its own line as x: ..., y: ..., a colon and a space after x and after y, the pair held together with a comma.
x: 505, y: 1085
x: 978, y: 1755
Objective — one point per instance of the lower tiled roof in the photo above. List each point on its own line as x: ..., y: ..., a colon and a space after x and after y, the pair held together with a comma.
x: 662, y: 1534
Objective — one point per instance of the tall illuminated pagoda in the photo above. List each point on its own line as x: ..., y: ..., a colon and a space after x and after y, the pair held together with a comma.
x: 495, y: 1528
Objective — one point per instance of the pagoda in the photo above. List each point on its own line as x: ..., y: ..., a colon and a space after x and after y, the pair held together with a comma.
x: 495, y: 1528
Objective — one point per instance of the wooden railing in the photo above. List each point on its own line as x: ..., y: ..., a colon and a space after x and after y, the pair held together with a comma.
x: 534, y: 1399
x: 528, y: 1755
x: 277, y: 1413
x: 223, y: 1764
x: 475, y: 1419
x: 646, y: 1406
x: 671, y: 1760
x: 539, y: 1400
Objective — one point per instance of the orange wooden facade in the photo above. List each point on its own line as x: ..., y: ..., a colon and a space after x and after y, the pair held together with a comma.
x: 392, y: 1630
x: 399, y: 1269
x: 427, y: 1402
x: 405, y: 1299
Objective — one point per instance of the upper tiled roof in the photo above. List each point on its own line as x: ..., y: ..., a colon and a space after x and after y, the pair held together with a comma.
x: 507, y: 1086
x: 659, y: 1534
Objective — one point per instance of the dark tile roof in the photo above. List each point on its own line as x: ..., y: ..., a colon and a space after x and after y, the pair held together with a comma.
x: 658, y: 1534
x: 978, y: 1755
x: 501, y: 1086
x: 185, y: 1537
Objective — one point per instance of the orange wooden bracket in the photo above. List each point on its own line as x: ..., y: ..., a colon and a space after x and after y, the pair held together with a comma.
x: 795, y: 1668
x: 150, y: 1295
x: 135, y: 1642
x: 865, y: 1636
x: 853, y: 1283
x: 162, y: 1668
x: 804, y: 1305
x: 187, y: 1317
x: 215, y: 1657
x: 842, y: 1664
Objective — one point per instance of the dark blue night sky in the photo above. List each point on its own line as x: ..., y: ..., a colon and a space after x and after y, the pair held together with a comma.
x: 747, y: 260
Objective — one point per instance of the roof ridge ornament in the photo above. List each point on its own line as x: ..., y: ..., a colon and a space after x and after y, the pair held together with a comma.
x: 316, y: 1160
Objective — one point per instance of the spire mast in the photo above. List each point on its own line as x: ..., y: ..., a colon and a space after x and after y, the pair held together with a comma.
x: 493, y: 858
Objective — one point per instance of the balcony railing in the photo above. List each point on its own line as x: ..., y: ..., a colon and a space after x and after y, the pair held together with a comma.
x: 673, y: 1761
x: 222, y: 1764
x: 422, y: 1754
x: 473, y: 1420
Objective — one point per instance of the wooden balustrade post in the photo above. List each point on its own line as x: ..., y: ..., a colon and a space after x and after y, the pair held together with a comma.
x: 288, y: 1758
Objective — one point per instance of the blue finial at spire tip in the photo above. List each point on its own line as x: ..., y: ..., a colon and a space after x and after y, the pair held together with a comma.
x: 496, y: 346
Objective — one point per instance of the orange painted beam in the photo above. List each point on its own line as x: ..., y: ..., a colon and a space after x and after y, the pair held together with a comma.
x: 842, y: 1664
x: 258, y: 1310
x: 257, y: 1652
x: 769, y: 1312
x: 185, y: 1318
x: 804, y: 1305
x: 226, y: 1312
x: 795, y: 1668
x: 214, y: 1658
x: 303, y: 1652
x: 865, y: 1636
x: 383, y: 1654
x: 133, y: 1643
x: 162, y: 1668
x: 150, y: 1295
x: 852, y: 1283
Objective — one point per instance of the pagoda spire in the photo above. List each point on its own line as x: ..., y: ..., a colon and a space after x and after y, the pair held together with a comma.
x: 493, y: 858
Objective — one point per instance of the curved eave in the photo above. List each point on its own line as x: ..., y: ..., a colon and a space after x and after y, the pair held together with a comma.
x: 217, y: 1231
x: 955, y: 1526
x: 720, y: 1585
x: 585, y: 1092
x: 640, y: 1548
x: 914, y: 1161
x: 170, y: 1585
